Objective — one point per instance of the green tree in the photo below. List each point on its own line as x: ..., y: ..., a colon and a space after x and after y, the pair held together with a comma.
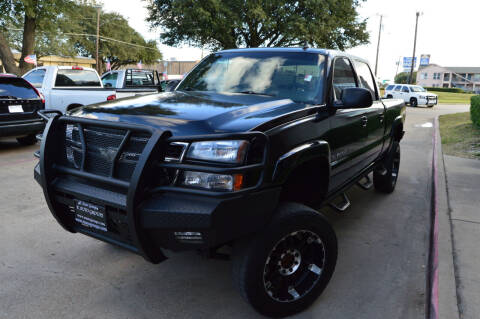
x: 32, y: 16
x: 402, y: 77
x: 118, y: 41
x: 222, y: 24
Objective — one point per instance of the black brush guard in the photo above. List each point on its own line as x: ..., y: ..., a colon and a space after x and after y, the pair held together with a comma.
x: 119, y: 193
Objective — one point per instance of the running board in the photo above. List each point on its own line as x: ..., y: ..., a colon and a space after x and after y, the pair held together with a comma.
x: 365, y: 183
x: 341, y: 207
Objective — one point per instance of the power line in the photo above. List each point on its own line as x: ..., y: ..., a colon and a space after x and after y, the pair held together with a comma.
x: 94, y: 35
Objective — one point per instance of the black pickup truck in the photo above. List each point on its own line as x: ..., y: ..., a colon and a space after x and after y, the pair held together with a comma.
x: 235, y: 157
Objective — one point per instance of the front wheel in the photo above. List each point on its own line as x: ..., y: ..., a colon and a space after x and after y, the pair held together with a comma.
x: 386, y: 180
x: 413, y: 102
x: 283, y: 269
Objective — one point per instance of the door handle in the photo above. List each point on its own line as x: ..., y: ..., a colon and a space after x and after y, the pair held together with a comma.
x: 364, y: 121
x: 382, y: 118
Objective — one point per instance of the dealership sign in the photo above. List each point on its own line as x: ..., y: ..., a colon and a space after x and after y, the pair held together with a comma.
x: 424, y: 59
x: 407, y: 62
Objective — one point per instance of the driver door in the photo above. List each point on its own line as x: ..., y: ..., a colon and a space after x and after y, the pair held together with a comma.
x: 348, y: 127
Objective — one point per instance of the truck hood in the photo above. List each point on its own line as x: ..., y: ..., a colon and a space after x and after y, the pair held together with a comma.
x: 192, y: 113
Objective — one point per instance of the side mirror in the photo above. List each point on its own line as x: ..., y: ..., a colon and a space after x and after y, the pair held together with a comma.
x: 356, y: 98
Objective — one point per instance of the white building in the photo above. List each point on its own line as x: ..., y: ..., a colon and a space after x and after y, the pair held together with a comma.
x: 467, y: 78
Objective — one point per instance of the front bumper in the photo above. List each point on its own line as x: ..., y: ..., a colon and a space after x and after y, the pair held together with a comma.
x: 141, y: 218
x: 21, y: 128
x: 429, y: 100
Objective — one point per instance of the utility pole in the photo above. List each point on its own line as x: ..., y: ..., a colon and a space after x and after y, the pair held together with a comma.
x: 98, y: 38
x: 398, y: 64
x: 410, y: 78
x: 378, y: 44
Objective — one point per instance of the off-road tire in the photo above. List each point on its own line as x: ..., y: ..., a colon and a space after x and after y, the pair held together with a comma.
x: 386, y: 183
x: 27, y: 140
x: 254, y: 257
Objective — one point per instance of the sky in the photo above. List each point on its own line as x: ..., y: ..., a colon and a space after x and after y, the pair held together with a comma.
x: 447, y: 30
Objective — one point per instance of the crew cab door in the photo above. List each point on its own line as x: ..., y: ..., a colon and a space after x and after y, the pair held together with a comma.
x: 375, y: 114
x: 348, y: 133
x: 406, y: 94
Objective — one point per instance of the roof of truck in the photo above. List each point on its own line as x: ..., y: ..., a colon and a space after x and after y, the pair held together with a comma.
x: 327, y: 52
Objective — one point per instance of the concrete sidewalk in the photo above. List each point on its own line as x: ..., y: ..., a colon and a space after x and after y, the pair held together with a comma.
x: 463, y: 184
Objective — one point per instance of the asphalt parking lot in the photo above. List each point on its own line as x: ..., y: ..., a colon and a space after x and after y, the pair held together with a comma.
x: 46, y: 272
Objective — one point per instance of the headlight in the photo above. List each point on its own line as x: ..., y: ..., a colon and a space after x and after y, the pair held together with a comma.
x: 212, y: 181
x: 219, y: 151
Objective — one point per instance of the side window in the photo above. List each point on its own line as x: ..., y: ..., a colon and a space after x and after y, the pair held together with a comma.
x: 139, y: 78
x: 110, y: 80
x: 36, y: 77
x: 390, y: 88
x: 406, y: 89
x: 366, y: 78
x: 343, y: 77
x: 398, y: 88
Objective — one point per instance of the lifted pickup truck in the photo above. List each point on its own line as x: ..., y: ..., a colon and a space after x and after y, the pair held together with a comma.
x: 68, y: 87
x: 132, y: 82
x: 235, y: 156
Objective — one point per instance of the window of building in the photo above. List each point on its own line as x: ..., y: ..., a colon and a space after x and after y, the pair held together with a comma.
x: 446, y: 77
x: 436, y: 76
x: 476, y: 77
x: 424, y: 76
x: 445, y: 85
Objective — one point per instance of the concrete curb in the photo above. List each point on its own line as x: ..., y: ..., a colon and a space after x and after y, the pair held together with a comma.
x: 447, y: 292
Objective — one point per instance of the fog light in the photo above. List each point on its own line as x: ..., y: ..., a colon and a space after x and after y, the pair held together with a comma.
x: 212, y: 181
x: 189, y: 237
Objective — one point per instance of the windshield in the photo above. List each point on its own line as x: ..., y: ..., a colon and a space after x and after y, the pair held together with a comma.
x: 294, y: 75
x: 418, y: 89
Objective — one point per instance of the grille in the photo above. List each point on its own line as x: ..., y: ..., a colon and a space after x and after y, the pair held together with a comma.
x: 102, y: 145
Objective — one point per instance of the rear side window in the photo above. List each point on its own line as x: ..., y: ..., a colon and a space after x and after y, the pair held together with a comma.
x: 398, y: 88
x: 110, y: 80
x: 390, y: 88
x: 72, y: 77
x: 343, y: 77
x: 139, y: 78
x: 36, y: 77
x: 366, y: 78
x: 16, y: 88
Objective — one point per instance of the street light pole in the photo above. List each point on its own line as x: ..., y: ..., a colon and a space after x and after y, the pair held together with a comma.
x: 378, y: 44
x: 98, y: 38
x: 410, y: 78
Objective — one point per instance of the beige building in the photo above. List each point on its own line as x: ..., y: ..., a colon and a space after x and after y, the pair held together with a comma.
x: 467, y: 78
x: 58, y: 60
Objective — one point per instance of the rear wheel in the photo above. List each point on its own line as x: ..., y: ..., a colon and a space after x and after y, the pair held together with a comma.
x: 283, y: 269
x: 385, y: 180
x: 413, y: 102
x: 27, y: 140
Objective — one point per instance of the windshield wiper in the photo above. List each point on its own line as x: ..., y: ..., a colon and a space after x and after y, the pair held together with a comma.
x: 8, y: 97
x: 253, y: 92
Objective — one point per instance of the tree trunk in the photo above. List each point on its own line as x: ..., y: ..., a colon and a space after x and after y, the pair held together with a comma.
x: 7, y: 57
x: 28, y: 43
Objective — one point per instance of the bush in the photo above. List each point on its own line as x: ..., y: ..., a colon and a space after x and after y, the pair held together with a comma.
x: 475, y: 110
x: 451, y: 90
